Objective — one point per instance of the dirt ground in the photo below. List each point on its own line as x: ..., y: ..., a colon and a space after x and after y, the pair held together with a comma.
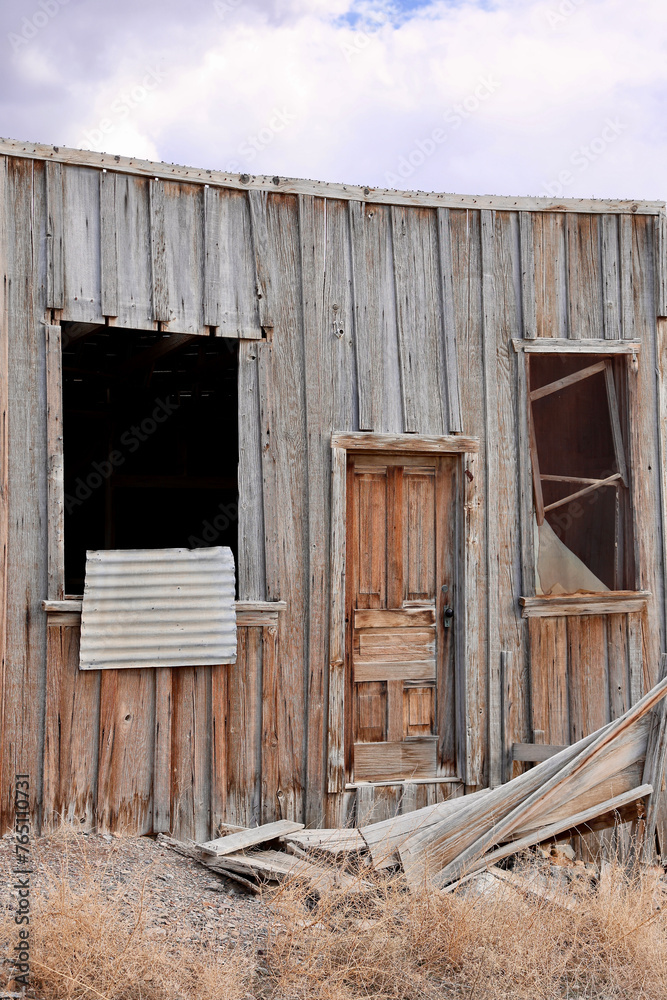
x: 181, y: 899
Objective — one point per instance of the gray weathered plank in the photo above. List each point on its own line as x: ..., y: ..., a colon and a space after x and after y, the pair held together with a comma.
x: 4, y: 463
x: 258, y: 204
x: 528, y: 277
x: 164, y: 708
x: 211, y: 256
x: 56, y: 489
x: 366, y: 323
x: 160, y: 280
x: 251, y: 565
x: 82, y: 302
x: 453, y: 404
x: 135, y: 278
x: 55, y: 290
x: 337, y: 630
x: 627, y: 295
x: 108, y: 245
x: 318, y: 385
x: 611, y: 277
x: 416, y: 274
x: 182, y: 211
x: 584, y: 277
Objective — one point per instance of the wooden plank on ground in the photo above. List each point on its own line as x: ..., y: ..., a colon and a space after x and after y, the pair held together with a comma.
x: 250, y: 838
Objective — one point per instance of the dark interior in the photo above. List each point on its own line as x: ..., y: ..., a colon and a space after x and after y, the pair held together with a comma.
x: 150, y: 442
x: 574, y: 438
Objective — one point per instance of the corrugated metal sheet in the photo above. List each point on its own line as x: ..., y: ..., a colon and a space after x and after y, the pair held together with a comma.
x: 158, y: 608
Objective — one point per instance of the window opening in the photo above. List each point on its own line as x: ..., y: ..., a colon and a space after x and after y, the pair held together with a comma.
x: 150, y: 439
x: 578, y: 418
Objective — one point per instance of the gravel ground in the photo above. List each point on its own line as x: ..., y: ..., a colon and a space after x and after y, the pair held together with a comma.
x: 180, y: 897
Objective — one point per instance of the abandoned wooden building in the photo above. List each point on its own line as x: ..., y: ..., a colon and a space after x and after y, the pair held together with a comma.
x: 431, y: 430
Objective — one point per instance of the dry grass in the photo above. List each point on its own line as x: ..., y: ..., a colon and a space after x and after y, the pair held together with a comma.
x: 602, y: 941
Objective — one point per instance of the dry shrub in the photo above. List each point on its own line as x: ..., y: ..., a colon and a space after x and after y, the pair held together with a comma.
x: 90, y: 941
x: 488, y: 939
x: 497, y: 941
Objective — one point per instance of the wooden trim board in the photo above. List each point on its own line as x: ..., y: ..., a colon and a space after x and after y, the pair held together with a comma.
x: 445, y: 444
x: 560, y: 345
x: 608, y: 603
x: 346, y: 192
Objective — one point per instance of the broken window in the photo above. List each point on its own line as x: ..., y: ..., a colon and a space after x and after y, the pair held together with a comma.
x: 150, y: 442
x: 578, y: 439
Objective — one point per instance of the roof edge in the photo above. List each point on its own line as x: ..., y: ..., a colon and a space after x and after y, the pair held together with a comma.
x: 322, y: 189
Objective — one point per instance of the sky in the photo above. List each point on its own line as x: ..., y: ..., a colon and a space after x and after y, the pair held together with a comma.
x: 565, y: 98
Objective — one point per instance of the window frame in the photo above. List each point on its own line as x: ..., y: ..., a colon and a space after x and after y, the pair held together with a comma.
x: 630, y: 349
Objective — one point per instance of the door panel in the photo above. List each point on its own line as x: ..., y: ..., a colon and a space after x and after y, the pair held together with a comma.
x: 401, y: 551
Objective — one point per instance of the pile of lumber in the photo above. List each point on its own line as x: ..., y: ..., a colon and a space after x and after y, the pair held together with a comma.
x: 608, y: 776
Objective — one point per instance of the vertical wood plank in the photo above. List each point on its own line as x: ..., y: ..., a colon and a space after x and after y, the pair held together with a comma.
x: 611, y: 285
x: 453, y: 422
x: 135, y: 272
x: 4, y: 461
x: 162, y: 751
x: 26, y: 568
x: 258, y: 201
x: 528, y: 308
x: 127, y: 732
x: 551, y: 283
x: 489, y: 305
x: 549, y: 681
x: 108, y: 244
x: 471, y: 638
x: 55, y: 289
x: 318, y: 384
x: 448, y: 517
x: 70, y: 747
x: 368, y: 348
x: 587, y: 675
x: 584, y: 276
x: 618, y: 666
x: 644, y: 462
x: 271, y: 793
x: 191, y: 753
x: 244, y: 750
x: 416, y: 275
x: 661, y: 264
x: 627, y: 294
x: 56, y: 489
x: 336, y: 706
x: 81, y: 248
x: 219, y: 771
x: 158, y: 253
x: 251, y: 564
x: 635, y: 656
x: 211, y: 256
x: 382, y: 315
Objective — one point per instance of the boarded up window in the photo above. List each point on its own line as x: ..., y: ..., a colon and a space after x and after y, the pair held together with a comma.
x: 578, y: 429
x: 158, y: 608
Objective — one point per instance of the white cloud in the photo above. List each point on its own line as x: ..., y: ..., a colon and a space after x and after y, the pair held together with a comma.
x: 343, y: 91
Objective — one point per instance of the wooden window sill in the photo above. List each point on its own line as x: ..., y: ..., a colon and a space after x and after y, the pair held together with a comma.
x: 614, y: 602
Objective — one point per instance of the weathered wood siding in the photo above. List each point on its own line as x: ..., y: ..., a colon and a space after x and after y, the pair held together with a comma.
x: 380, y: 317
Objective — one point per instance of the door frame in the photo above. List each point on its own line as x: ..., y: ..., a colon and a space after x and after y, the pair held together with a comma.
x: 467, y: 557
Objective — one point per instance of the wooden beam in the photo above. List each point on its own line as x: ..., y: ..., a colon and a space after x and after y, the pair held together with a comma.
x: 583, y: 492
x: 563, y: 383
x: 559, y: 345
x: 611, y: 603
x: 446, y: 444
x: 196, y: 175
x: 534, y: 752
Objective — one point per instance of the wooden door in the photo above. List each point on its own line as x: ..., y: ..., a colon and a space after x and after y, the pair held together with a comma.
x: 401, y: 579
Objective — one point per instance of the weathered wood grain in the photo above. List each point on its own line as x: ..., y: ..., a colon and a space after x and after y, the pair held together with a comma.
x: 368, y: 347
x: 162, y: 739
x: 219, y: 752
x: 4, y: 464
x: 416, y: 276
x: 549, y: 681
x: 135, y: 275
x: 611, y: 277
x: 551, y: 279
x: 250, y: 838
x: 71, y: 716
x: 528, y: 276
x: 337, y: 626
x: 244, y: 751
x: 584, y: 277
x: 55, y: 289
x: 251, y: 567
x: 258, y: 204
x: 453, y: 423
x: 81, y: 246
x: 108, y: 245
x: 180, y: 209
x: 26, y: 565
x: 271, y: 793
x: 212, y: 213
x: 318, y: 378
x: 160, y: 279
x: 147, y: 168
x: 55, y: 472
